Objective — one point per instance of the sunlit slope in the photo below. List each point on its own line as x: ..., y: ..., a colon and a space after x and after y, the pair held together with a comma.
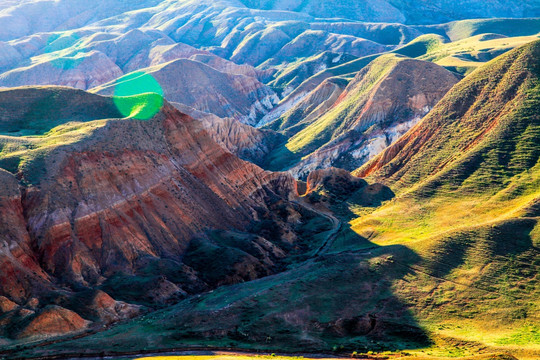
x: 483, y: 132
x: 465, y: 55
x: 468, y: 185
x: 383, y: 100
x: 460, y: 30
x: 472, y: 160
x: 462, y: 46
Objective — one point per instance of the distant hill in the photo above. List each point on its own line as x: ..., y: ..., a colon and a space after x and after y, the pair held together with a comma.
x: 402, y: 11
x: 380, y: 104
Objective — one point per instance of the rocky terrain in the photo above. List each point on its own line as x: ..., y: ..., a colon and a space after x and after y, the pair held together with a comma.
x: 246, y: 142
x: 206, y: 89
x: 125, y: 207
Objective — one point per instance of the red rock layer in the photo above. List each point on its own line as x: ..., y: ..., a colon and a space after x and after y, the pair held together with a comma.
x: 130, y: 193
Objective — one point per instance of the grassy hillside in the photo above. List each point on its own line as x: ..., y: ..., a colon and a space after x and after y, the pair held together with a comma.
x: 297, y: 72
x: 378, y: 105
x: 40, y: 121
x: 460, y: 30
x: 340, y: 117
x: 468, y: 180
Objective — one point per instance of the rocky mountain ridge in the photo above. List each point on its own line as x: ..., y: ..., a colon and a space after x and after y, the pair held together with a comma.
x: 127, y: 206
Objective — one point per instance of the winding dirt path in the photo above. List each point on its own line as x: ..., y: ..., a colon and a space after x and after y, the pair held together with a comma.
x: 337, y: 225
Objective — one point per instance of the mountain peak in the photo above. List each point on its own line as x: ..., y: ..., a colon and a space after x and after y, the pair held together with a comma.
x: 489, y: 113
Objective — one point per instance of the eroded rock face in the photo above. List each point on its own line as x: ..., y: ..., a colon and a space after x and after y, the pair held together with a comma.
x: 21, y: 273
x: 6, y: 305
x: 296, y: 113
x: 117, y: 210
x: 337, y: 181
x: 383, y: 101
x: 107, y: 202
x: 98, y: 306
x: 246, y: 142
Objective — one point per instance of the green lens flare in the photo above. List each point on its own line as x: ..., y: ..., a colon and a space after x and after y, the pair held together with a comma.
x: 138, y: 96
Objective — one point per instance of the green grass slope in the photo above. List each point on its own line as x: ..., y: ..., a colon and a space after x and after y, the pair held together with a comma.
x: 39, y: 119
x: 490, y: 118
x: 468, y: 185
x: 340, y: 117
x: 460, y: 30
x: 295, y: 73
x: 391, y: 90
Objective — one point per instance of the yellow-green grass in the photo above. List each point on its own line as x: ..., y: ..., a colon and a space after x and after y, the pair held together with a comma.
x: 45, y: 123
x: 410, y: 219
x: 470, y: 212
x: 475, y: 46
x: 140, y: 107
x: 458, y: 64
x: 294, y: 73
x: 421, y: 45
x: 459, y: 30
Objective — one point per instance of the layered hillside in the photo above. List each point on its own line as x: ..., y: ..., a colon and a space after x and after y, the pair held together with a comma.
x: 290, y: 78
x: 381, y: 103
x: 246, y: 142
x: 204, y: 88
x: 96, y: 204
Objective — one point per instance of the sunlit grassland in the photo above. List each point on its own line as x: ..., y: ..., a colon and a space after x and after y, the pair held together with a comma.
x: 467, y: 205
x: 477, y: 283
x: 17, y: 151
x: 459, y: 30
x: 474, y: 51
x: 411, y: 219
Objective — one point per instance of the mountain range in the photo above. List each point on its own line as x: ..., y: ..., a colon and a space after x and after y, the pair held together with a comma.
x: 357, y: 179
